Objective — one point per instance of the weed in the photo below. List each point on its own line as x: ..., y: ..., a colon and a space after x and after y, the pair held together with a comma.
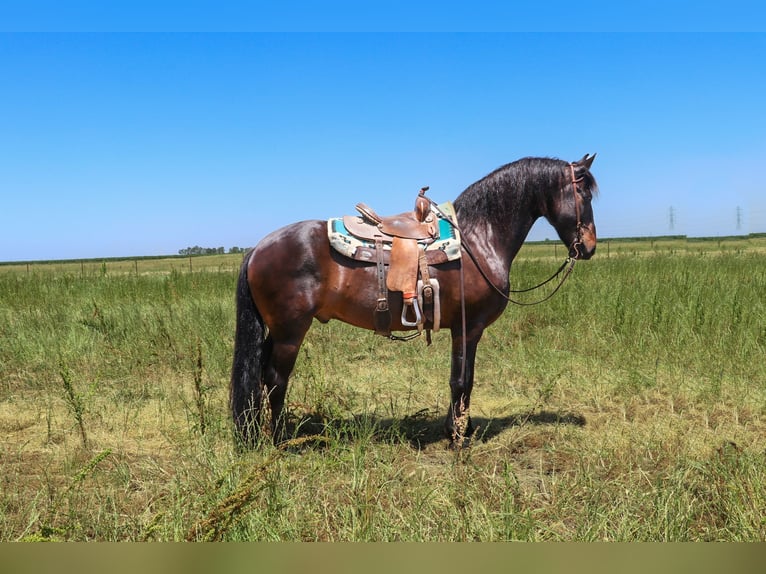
x: 75, y: 402
x: 199, y: 390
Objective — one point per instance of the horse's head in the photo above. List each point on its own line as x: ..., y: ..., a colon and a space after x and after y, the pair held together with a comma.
x: 571, y: 213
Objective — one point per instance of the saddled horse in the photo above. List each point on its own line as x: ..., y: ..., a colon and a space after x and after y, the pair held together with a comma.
x: 293, y: 276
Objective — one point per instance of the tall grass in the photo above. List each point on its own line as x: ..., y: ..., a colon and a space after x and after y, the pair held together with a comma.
x: 631, y: 406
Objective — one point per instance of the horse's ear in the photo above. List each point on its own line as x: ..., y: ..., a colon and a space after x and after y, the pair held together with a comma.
x: 586, y: 161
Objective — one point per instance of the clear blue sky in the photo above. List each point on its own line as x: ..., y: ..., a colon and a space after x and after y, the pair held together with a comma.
x: 120, y: 144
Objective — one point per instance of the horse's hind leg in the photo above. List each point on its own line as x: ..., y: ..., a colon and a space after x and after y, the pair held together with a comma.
x: 284, y: 353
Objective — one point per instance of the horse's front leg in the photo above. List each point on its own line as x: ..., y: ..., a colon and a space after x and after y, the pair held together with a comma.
x: 458, y: 425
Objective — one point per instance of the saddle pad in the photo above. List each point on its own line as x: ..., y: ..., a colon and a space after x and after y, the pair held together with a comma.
x: 446, y: 247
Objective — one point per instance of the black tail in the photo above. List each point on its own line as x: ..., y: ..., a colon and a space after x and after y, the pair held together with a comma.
x: 246, y: 395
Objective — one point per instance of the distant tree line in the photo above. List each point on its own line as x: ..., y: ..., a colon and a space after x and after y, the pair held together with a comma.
x: 197, y: 250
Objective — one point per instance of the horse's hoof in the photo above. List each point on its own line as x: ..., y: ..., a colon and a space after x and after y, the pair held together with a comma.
x: 459, y: 435
x: 458, y: 445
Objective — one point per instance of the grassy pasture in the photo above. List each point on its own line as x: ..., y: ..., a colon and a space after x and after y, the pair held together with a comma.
x: 631, y: 406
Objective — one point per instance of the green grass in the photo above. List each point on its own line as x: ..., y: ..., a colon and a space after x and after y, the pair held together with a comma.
x: 631, y: 406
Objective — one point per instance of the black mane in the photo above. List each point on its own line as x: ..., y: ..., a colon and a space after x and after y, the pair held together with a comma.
x: 521, y: 184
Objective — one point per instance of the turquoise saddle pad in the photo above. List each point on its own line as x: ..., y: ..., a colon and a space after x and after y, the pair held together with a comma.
x: 448, y: 241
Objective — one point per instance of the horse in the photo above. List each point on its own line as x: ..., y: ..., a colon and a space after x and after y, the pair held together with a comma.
x: 293, y: 276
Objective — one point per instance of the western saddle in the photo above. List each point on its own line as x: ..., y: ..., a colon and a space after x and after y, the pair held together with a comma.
x: 407, y: 233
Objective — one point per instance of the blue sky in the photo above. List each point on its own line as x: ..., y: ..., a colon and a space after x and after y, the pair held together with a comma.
x: 133, y: 143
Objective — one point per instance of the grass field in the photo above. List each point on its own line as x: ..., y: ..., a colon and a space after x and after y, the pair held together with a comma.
x: 631, y: 406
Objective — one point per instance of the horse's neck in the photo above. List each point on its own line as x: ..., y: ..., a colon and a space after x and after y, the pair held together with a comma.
x: 498, y: 238
x: 499, y: 243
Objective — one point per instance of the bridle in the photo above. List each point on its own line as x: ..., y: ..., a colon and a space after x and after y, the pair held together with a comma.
x: 578, y: 235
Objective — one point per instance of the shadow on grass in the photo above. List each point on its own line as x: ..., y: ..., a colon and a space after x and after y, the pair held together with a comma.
x: 419, y: 430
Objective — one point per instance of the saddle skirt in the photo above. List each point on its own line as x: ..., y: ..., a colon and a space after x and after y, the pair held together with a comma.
x: 353, y: 236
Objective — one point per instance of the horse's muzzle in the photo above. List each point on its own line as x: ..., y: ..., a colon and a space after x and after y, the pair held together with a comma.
x: 585, y: 245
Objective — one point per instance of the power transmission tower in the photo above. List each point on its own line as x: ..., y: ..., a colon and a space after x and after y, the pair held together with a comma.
x: 671, y: 218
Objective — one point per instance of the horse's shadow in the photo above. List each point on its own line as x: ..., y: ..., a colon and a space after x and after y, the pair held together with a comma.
x: 420, y: 429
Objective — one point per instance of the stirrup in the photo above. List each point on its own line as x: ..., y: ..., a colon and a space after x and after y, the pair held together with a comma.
x: 418, y: 316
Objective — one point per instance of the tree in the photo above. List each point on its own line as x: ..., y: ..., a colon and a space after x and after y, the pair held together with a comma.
x: 197, y: 250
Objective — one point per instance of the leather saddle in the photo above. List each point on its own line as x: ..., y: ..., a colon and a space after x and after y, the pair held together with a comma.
x: 407, y: 234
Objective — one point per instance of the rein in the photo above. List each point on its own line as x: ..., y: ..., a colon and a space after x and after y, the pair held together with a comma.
x: 567, y: 267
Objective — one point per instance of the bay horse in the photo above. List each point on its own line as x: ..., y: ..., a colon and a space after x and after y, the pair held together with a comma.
x: 293, y: 276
